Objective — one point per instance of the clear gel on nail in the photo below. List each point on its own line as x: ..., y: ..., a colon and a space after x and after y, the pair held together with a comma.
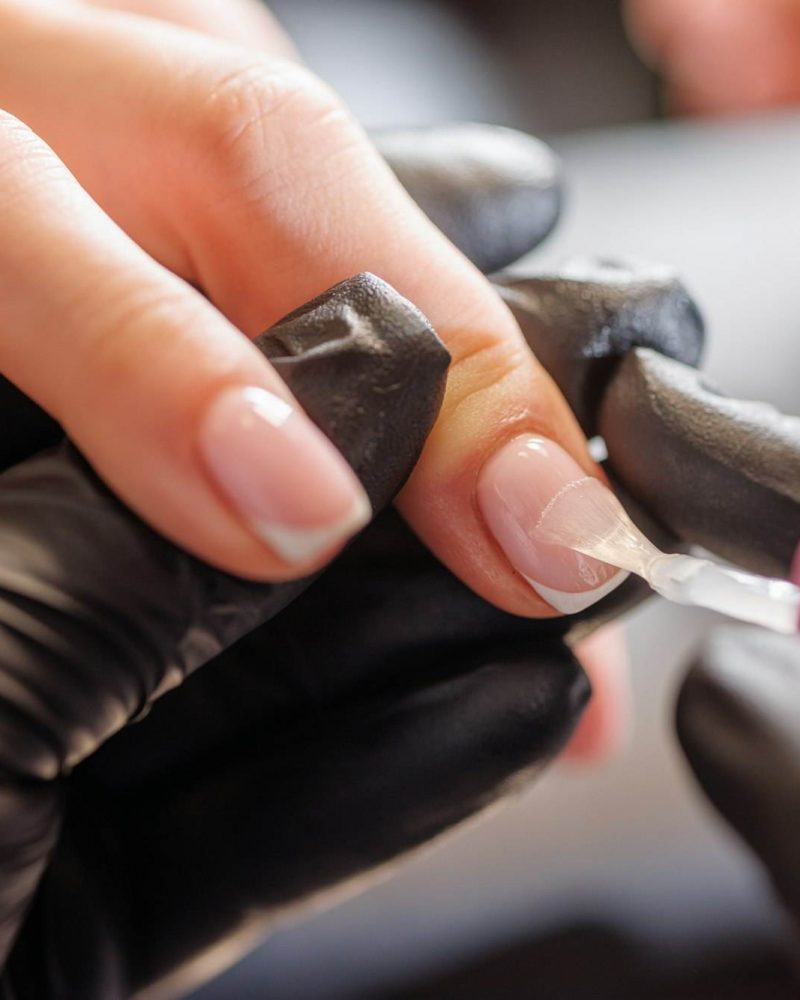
x: 586, y: 517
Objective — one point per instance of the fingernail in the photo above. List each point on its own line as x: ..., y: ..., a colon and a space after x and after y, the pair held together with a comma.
x: 281, y: 474
x: 515, y: 488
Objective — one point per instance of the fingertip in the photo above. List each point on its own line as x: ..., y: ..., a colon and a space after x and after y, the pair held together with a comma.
x: 604, y: 728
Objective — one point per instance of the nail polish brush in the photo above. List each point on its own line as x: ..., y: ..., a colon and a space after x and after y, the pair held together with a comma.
x: 587, y: 517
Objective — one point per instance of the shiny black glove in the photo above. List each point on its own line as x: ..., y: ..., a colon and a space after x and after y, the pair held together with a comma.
x: 738, y: 720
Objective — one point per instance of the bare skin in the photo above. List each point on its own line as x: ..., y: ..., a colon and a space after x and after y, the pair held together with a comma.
x: 721, y: 56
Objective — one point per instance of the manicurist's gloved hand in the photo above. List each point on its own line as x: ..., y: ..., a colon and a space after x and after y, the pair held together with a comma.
x: 386, y: 705
x: 223, y: 167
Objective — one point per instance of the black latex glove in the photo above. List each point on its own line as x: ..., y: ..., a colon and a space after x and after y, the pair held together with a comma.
x: 738, y: 721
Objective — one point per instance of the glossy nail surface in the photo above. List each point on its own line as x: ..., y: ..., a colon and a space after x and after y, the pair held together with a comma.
x: 281, y: 474
x: 515, y: 489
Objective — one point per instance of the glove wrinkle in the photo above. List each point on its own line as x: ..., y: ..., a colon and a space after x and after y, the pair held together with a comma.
x: 30, y: 822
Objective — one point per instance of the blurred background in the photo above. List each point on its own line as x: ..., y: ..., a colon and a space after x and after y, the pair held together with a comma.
x: 615, y: 881
x: 540, y: 65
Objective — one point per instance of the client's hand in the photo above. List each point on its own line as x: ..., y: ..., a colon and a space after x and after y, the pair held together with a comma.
x: 223, y: 167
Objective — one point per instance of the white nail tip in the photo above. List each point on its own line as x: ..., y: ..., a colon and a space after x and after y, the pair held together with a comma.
x: 302, y: 545
x: 571, y: 603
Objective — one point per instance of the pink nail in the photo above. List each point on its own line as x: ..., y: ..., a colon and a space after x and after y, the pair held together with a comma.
x: 514, y: 490
x: 281, y: 474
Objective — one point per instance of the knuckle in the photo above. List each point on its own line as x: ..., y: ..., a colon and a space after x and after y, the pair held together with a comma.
x: 482, y: 364
x: 260, y: 113
x: 122, y: 323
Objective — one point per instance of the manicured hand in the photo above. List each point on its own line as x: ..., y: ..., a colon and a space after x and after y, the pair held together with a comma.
x: 222, y: 185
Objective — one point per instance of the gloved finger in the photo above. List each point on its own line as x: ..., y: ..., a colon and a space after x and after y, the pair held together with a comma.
x: 290, y: 816
x: 737, y: 722
x: 581, y: 320
x: 619, y: 342
x: 677, y: 444
x: 494, y: 192
x: 164, y: 397
x: 99, y: 616
x: 248, y: 23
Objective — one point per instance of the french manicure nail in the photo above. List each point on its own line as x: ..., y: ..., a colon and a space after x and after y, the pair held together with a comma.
x: 281, y: 474
x: 515, y: 489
